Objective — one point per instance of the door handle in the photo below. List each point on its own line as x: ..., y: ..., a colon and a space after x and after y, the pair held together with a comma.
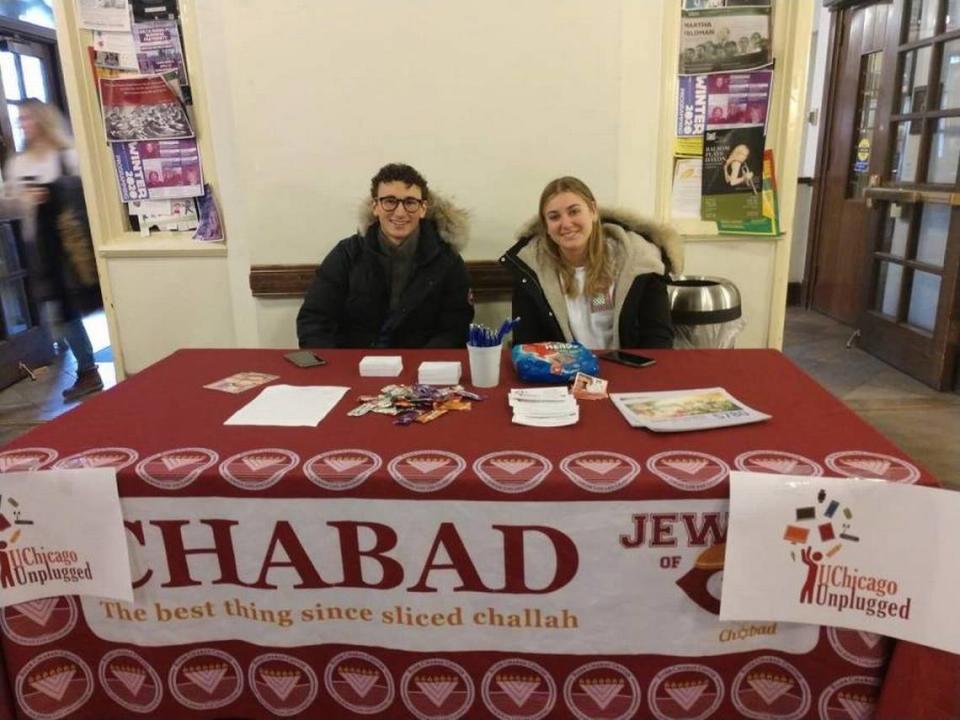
x: 909, y: 197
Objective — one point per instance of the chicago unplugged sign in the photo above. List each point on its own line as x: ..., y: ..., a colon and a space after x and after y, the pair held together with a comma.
x: 61, y: 533
x: 844, y: 552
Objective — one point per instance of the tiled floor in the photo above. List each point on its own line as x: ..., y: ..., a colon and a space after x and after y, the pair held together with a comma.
x: 922, y: 422
x: 29, y: 403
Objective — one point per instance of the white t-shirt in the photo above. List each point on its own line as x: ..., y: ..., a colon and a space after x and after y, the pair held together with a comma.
x: 591, y: 318
x: 28, y: 167
x: 32, y: 168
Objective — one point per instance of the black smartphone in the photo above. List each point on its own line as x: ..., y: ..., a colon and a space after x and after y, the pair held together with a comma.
x: 625, y: 358
x: 305, y: 358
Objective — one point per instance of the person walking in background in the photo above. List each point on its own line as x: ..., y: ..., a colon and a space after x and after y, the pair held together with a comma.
x: 55, y: 275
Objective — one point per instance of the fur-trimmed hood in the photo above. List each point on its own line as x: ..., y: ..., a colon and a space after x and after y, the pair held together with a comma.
x: 452, y: 222
x: 639, y: 247
x: 663, y: 236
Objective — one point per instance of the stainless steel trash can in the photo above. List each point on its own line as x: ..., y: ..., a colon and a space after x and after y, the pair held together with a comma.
x: 705, y: 311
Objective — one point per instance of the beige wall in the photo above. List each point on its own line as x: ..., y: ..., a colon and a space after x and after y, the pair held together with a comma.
x: 299, y: 102
x: 488, y: 105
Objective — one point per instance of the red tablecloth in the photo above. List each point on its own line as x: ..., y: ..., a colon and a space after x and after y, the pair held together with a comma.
x: 165, y: 434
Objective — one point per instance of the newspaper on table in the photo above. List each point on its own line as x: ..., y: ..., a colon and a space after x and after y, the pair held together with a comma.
x: 145, y: 107
x: 684, y: 410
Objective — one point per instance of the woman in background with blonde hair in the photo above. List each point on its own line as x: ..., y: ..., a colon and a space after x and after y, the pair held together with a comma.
x: 590, y: 274
x: 47, y: 156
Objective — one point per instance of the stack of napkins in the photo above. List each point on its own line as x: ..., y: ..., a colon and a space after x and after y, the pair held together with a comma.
x: 381, y: 366
x: 544, y: 407
x: 439, y: 373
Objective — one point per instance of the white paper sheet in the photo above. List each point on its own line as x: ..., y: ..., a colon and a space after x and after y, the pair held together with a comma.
x: 61, y: 533
x: 874, y: 556
x: 110, y: 15
x: 687, y: 179
x: 289, y: 405
x: 122, y: 44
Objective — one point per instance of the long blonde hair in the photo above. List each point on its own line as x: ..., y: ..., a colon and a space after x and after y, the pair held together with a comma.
x: 50, y: 122
x: 599, y: 273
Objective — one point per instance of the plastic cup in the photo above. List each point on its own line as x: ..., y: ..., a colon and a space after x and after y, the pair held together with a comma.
x: 485, y: 365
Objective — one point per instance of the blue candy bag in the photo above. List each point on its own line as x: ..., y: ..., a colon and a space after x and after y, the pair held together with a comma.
x: 553, y: 362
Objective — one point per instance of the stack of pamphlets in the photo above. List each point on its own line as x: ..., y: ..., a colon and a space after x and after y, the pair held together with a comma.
x: 381, y: 366
x: 439, y: 373
x: 680, y: 410
x: 544, y: 407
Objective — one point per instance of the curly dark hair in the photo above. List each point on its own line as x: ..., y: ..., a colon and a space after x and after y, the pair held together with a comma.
x: 398, y: 172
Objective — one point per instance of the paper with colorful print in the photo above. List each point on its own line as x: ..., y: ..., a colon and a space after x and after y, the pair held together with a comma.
x: 871, y: 555
x: 682, y: 410
x: 239, y: 382
x: 61, y: 533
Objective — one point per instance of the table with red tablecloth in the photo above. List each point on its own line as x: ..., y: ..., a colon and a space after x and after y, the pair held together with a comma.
x: 361, y: 568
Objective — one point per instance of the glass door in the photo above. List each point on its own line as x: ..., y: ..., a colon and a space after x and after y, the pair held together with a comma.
x: 911, y: 294
x: 26, y: 71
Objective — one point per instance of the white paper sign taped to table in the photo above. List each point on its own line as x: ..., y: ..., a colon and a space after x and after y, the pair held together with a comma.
x: 848, y: 552
x: 61, y: 533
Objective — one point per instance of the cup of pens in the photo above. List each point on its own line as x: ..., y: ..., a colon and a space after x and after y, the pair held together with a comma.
x: 484, y: 350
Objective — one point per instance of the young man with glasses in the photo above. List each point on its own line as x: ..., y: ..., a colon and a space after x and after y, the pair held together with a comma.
x: 399, y: 281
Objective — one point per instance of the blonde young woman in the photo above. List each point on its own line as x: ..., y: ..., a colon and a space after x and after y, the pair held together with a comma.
x: 735, y: 170
x: 593, y: 275
x: 48, y: 154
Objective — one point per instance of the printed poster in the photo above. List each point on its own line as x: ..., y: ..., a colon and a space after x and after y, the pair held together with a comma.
x: 738, y: 99
x: 691, y: 115
x: 158, y: 48
x: 769, y: 223
x: 434, y: 576
x: 210, y: 228
x: 108, y: 15
x: 730, y: 38
x: 180, y: 214
x: 116, y: 49
x: 158, y: 169
x: 61, y: 533
x: 871, y: 555
x: 732, y: 174
x: 142, y: 108
x: 144, y: 10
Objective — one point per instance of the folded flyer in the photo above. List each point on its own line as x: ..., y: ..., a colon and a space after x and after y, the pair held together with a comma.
x: 683, y: 410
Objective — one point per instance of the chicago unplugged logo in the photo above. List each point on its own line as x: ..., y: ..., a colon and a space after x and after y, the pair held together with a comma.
x: 818, y: 534
x: 23, y: 564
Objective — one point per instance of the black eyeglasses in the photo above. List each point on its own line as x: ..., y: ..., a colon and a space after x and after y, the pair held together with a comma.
x: 390, y: 203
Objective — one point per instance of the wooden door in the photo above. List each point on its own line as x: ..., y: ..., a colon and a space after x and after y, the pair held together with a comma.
x: 838, y: 272
x: 910, y: 297
x: 887, y: 238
